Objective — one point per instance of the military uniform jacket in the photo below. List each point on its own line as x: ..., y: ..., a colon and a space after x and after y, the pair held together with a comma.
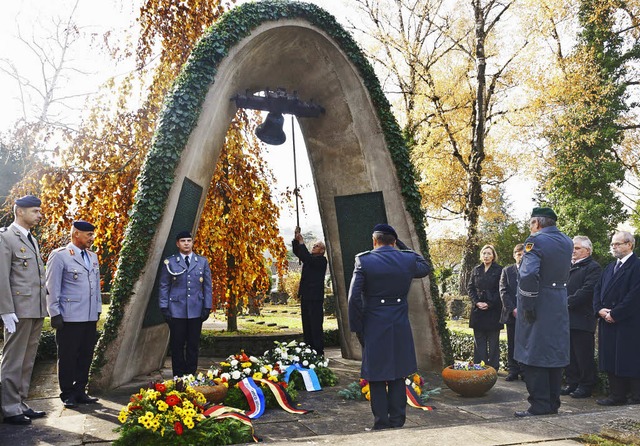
x: 379, y: 310
x: 185, y: 291
x: 618, y: 346
x: 314, y: 268
x: 484, y: 286
x: 542, y: 280
x: 22, y: 277
x: 508, y: 290
x: 583, y: 277
x: 74, y: 289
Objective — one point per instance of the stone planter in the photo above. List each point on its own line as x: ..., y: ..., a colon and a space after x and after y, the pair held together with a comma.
x: 213, y: 394
x: 470, y: 382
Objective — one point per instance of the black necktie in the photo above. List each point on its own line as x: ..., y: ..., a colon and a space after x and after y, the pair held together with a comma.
x: 186, y: 260
x: 85, y: 257
x: 617, y: 267
x: 31, y: 241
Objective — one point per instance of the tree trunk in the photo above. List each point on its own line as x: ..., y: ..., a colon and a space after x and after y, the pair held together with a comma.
x: 232, y: 303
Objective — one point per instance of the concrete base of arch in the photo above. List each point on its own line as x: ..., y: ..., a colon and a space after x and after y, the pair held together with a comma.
x: 348, y: 155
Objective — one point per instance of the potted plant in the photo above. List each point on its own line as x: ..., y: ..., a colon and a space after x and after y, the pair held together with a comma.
x: 469, y: 379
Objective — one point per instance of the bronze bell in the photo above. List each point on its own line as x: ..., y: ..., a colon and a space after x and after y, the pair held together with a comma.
x: 270, y: 131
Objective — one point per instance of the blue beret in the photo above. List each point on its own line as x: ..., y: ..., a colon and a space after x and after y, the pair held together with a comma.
x: 28, y: 201
x: 183, y: 234
x: 544, y: 212
x: 385, y: 229
x: 82, y: 225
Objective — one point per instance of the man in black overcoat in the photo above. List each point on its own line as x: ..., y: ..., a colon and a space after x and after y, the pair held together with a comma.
x: 379, y: 316
x: 580, y: 375
x: 616, y: 302
x: 311, y: 291
x: 508, y: 289
x: 542, y: 322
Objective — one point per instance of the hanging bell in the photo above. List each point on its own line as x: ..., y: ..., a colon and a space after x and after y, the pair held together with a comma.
x: 270, y: 131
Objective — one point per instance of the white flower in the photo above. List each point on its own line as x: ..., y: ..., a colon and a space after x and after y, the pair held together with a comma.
x: 273, y: 373
x: 307, y: 350
x: 407, y: 382
x: 253, y: 359
x: 236, y: 374
x: 285, y: 355
x: 234, y: 362
x: 305, y: 363
x: 247, y: 371
x: 263, y: 370
x: 297, y: 349
x: 302, y: 344
x: 225, y: 376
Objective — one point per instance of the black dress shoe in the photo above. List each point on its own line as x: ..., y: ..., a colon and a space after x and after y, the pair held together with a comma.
x: 511, y: 377
x: 86, y: 399
x: 18, y: 420
x: 524, y: 413
x: 566, y: 390
x: 580, y: 393
x: 70, y: 403
x: 34, y: 413
x: 610, y: 402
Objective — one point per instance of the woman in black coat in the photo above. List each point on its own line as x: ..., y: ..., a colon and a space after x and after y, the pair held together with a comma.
x: 484, y: 291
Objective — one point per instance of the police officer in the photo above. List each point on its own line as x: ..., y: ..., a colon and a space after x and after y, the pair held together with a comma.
x: 185, y: 297
x: 542, y: 321
x: 22, y: 308
x: 379, y: 315
x: 74, y: 303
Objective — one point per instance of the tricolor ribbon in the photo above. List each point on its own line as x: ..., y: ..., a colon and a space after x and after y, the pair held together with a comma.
x: 311, y: 382
x: 254, y: 396
x: 221, y: 412
x: 281, y: 397
x: 414, y: 401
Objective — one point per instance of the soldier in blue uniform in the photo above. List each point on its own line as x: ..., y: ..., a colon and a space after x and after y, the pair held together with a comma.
x: 542, y: 320
x: 379, y: 315
x: 74, y: 303
x: 185, y: 296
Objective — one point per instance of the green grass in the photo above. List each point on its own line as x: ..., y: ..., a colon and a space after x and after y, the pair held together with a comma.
x: 462, y: 326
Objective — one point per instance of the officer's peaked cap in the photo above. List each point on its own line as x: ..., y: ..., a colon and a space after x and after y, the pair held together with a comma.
x: 544, y: 212
x: 82, y: 225
x: 385, y: 229
x: 183, y: 234
x: 28, y: 201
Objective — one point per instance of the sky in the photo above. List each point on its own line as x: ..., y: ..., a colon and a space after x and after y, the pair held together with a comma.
x: 33, y: 19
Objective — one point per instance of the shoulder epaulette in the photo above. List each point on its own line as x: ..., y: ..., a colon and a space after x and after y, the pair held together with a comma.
x: 406, y: 250
x: 362, y: 253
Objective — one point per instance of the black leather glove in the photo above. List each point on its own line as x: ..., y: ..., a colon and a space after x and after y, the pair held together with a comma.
x: 204, y: 315
x: 400, y: 244
x: 360, y: 339
x: 57, y: 322
x: 530, y: 316
x: 166, y: 314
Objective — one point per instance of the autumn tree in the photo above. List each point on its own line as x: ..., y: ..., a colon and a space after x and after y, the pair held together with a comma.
x: 451, y: 69
x: 591, y: 112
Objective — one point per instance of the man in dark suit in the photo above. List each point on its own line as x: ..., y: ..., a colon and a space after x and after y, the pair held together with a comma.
x: 311, y: 290
x: 379, y: 315
x: 580, y: 375
x: 616, y: 302
x: 185, y: 297
x: 542, y: 322
x: 508, y: 289
x: 23, y: 307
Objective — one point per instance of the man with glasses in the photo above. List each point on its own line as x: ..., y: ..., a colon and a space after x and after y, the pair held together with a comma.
x: 311, y: 291
x: 616, y: 302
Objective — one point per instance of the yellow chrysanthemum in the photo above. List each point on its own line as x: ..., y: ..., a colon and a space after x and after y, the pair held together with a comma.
x: 365, y: 389
x: 225, y: 364
x: 201, y: 399
x: 418, y: 390
x: 257, y: 375
x: 368, y: 396
x: 416, y: 379
x: 162, y: 406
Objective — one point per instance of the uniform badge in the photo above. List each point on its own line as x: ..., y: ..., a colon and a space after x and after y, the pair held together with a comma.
x: 75, y: 275
x: 72, y: 252
x: 201, y: 280
x: 22, y: 249
x: 24, y: 263
x: 528, y: 247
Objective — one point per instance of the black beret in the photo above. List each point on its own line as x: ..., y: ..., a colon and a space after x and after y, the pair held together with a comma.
x: 544, y: 212
x: 385, y: 229
x: 28, y: 201
x: 82, y: 225
x: 183, y: 234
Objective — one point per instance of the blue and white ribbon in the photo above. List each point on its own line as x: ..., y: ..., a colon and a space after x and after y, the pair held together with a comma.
x: 309, y: 377
x: 254, y: 396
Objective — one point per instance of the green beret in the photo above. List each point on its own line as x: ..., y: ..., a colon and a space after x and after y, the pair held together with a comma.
x: 544, y: 212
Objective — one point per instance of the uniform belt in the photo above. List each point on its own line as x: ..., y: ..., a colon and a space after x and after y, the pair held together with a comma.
x: 558, y: 285
x: 385, y: 300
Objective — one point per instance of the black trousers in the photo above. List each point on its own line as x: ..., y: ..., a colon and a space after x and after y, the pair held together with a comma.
x: 621, y: 386
x: 388, y: 403
x: 75, y: 341
x: 487, y: 347
x: 185, y: 345
x: 512, y: 365
x: 312, y: 318
x: 581, y: 371
x: 543, y: 385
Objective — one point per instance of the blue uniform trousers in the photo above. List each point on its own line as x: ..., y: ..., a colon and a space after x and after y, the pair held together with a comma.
x: 543, y: 385
x: 388, y: 403
x: 75, y: 341
x: 185, y: 344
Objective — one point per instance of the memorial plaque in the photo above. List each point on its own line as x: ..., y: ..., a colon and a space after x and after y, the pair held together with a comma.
x: 357, y: 215
x: 183, y: 219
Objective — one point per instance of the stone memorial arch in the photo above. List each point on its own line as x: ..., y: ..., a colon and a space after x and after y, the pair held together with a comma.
x: 361, y: 171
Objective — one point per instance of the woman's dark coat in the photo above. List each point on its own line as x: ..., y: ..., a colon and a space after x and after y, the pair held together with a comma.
x: 485, y: 287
